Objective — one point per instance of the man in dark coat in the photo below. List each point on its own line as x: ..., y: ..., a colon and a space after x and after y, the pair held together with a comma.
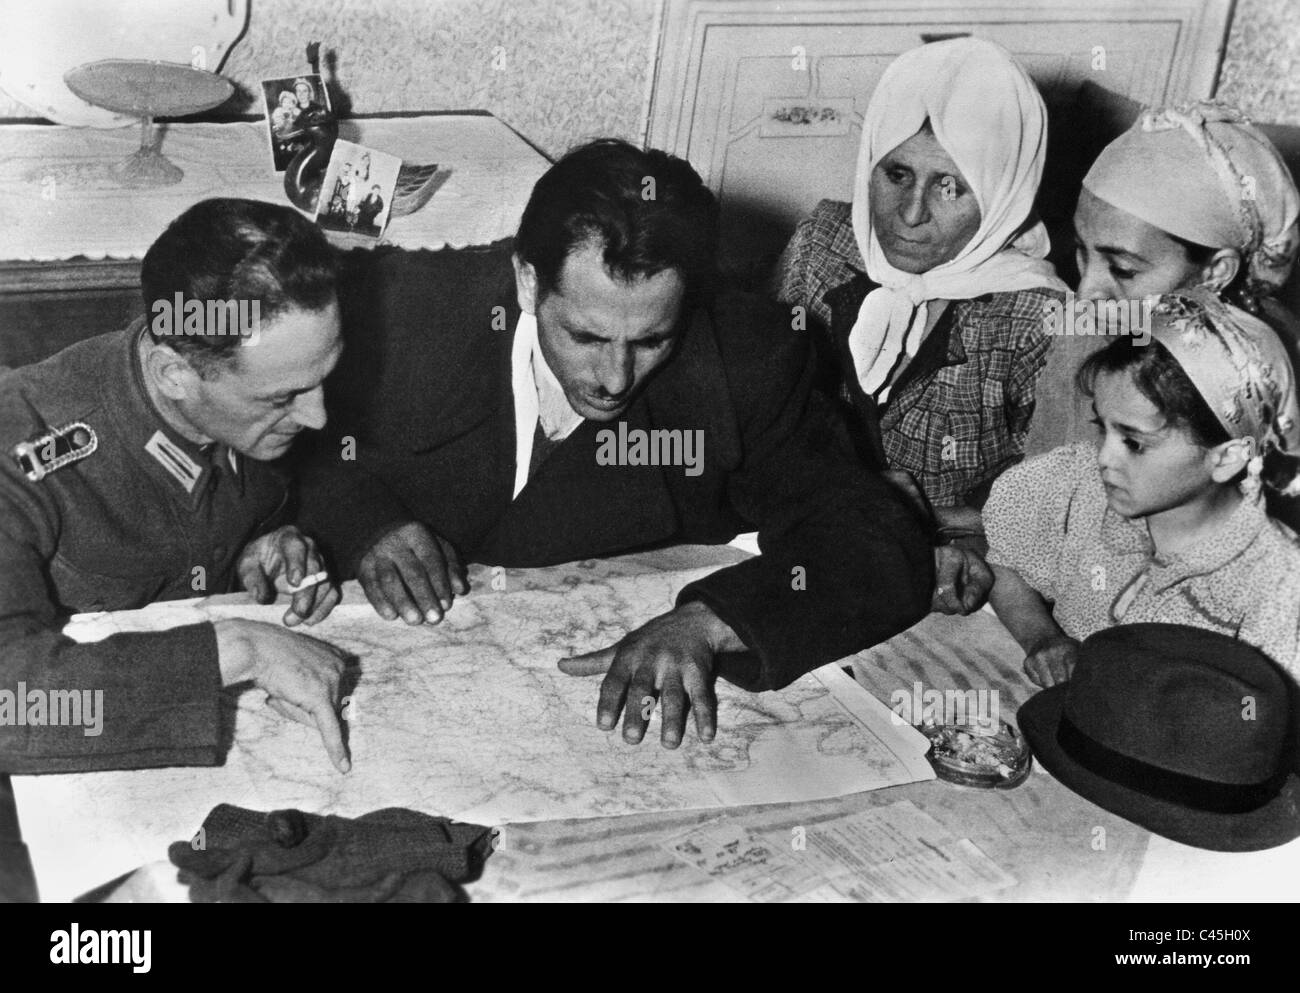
x: 369, y: 209
x: 588, y: 391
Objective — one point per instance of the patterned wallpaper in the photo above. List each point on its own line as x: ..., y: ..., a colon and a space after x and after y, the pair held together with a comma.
x: 559, y: 71
x: 1261, y: 67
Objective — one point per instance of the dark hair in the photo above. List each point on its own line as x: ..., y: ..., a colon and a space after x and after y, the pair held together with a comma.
x: 236, y: 250
x: 648, y: 210
x: 1242, y: 291
x: 1160, y: 379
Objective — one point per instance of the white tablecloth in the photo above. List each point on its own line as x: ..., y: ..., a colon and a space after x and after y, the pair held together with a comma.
x: 58, y: 200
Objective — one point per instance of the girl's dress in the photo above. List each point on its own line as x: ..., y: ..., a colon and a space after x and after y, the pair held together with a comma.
x: 1048, y: 519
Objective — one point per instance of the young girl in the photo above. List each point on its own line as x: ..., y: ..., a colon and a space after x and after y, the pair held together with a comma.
x: 1163, y: 520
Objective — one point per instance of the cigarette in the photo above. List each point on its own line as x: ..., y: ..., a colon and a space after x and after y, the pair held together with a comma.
x: 315, y: 579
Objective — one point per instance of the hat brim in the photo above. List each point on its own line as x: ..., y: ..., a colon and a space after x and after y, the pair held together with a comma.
x: 1273, y: 824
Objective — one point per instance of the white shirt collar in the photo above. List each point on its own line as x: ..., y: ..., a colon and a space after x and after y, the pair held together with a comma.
x: 538, y: 395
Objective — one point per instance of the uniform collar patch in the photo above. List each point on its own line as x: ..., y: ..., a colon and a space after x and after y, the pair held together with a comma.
x: 173, y: 458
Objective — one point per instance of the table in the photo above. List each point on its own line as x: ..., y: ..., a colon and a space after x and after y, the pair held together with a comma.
x: 1041, y: 833
x: 1055, y: 844
x: 1058, y: 846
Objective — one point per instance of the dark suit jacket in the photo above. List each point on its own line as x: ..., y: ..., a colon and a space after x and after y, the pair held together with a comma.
x: 368, y: 209
x: 424, y: 389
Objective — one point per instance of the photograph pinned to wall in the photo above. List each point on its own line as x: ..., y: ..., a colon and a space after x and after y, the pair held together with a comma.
x: 356, y: 195
x: 294, y: 105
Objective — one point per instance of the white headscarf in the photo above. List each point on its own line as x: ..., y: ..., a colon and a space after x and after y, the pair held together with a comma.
x: 987, y: 115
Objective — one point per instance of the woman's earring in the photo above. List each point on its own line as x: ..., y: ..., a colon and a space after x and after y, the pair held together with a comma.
x: 1250, y: 484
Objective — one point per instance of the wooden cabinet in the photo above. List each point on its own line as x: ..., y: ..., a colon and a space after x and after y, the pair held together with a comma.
x: 46, y: 306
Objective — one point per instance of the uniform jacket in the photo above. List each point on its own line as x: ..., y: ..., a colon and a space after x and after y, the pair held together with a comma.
x: 423, y: 392
x: 146, y: 516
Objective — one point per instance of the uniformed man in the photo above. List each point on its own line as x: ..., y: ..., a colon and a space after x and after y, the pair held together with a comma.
x: 140, y: 466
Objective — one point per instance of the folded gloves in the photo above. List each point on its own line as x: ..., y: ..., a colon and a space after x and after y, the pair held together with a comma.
x: 287, y: 856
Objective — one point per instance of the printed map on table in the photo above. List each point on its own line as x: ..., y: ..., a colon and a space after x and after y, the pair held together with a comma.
x: 471, y: 719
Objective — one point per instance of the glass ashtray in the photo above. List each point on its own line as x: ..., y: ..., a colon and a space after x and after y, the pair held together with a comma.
x: 981, y: 753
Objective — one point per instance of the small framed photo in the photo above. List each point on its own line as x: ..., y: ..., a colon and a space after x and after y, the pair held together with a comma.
x: 356, y: 195
x: 293, y: 104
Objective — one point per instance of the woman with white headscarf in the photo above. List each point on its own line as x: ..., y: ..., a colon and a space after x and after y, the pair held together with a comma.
x: 930, y: 289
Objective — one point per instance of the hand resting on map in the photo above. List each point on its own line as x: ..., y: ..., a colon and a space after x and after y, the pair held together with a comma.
x: 667, y: 661
x: 409, y: 571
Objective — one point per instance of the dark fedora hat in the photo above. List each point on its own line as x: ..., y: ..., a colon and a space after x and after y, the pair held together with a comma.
x: 1187, y: 732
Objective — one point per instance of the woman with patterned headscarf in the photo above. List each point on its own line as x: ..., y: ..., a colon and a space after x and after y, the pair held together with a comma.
x: 927, y: 294
x: 1189, y: 196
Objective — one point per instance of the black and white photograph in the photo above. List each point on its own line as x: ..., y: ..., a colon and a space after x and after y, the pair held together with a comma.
x: 656, y: 452
x: 295, y: 105
x: 357, y: 192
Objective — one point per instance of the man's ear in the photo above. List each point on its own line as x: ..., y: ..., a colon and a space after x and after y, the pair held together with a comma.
x: 525, y: 285
x: 1230, y: 458
x: 170, y: 372
x: 1221, y: 270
